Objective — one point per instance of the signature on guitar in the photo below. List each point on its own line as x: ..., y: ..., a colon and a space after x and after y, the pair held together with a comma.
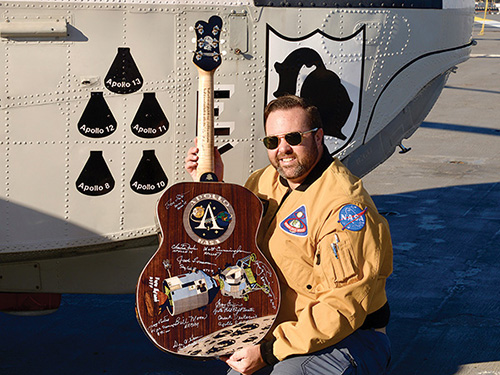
x: 178, y: 202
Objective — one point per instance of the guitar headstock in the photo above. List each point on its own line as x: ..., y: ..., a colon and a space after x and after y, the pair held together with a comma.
x: 207, y: 55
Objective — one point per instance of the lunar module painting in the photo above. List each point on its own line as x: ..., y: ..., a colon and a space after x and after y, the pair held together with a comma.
x: 196, y: 289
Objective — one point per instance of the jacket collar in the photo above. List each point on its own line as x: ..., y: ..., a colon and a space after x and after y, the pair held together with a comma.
x: 323, y: 163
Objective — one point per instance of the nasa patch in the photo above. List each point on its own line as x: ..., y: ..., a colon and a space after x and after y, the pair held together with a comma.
x: 352, y: 217
x: 296, y: 222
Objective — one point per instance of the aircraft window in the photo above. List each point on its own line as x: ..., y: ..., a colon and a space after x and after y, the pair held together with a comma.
x: 433, y: 4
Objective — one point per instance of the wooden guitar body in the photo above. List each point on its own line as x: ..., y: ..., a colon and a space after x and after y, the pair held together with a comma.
x: 208, y: 290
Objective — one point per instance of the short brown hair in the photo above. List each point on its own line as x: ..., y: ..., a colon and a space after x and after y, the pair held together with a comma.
x: 292, y: 101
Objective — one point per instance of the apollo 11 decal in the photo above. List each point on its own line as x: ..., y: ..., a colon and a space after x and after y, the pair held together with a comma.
x: 323, y: 69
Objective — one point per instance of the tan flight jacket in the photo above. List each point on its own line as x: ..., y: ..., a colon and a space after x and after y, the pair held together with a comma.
x: 326, y: 290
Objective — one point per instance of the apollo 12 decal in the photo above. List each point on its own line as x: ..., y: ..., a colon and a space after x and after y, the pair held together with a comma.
x: 325, y: 70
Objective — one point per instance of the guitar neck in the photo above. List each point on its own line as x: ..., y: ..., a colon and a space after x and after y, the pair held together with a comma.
x: 205, y: 122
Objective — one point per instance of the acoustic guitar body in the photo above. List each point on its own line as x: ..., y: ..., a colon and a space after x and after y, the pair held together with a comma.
x: 208, y: 290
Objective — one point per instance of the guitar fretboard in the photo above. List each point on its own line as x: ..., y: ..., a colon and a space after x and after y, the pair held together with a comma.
x: 205, y: 122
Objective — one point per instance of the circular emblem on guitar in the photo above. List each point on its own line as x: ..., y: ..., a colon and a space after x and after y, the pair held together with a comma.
x: 209, y: 219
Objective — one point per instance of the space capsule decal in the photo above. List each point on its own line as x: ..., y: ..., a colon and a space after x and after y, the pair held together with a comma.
x: 123, y: 77
x: 97, y: 121
x: 95, y: 178
x: 149, y: 121
x: 149, y: 177
x: 325, y: 70
x: 195, y: 290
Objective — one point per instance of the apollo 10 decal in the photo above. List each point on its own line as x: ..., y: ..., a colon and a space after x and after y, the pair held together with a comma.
x: 325, y: 70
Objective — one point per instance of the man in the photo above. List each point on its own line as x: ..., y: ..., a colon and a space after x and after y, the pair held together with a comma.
x: 331, y: 250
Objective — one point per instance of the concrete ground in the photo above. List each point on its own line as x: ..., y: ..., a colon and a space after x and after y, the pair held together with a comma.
x: 442, y: 201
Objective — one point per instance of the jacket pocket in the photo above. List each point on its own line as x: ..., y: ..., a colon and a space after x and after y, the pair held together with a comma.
x: 334, y: 260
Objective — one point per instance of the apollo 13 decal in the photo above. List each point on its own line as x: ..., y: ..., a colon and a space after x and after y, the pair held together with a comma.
x: 324, y: 69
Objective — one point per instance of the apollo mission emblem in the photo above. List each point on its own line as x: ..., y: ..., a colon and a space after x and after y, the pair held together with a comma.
x: 209, y: 219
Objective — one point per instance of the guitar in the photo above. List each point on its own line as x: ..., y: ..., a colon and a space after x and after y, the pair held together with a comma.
x: 208, y: 290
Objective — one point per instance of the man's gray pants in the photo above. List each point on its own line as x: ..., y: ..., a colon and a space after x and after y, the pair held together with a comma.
x: 365, y: 352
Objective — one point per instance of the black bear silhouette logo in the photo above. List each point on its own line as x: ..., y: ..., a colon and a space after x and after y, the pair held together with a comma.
x: 322, y: 87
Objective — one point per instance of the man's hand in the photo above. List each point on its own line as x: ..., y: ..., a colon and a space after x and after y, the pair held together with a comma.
x: 191, y: 163
x: 246, y: 361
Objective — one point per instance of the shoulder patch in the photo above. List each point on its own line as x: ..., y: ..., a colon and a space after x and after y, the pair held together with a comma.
x: 296, y: 222
x: 352, y: 217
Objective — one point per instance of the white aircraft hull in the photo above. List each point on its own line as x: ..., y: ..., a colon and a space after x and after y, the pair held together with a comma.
x: 84, y: 164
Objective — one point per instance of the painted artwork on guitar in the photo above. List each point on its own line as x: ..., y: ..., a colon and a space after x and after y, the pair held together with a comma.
x: 208, y: 290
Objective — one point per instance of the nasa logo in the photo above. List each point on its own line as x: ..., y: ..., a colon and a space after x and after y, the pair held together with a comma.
x: 209, y: 219
x: 352, y: 217
x: 296, y: 222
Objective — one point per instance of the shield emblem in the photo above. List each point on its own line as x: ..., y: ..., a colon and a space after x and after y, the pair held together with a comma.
x: 323, y: 69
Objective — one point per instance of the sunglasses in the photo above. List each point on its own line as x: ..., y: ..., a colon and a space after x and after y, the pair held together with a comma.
x: 293, y: 139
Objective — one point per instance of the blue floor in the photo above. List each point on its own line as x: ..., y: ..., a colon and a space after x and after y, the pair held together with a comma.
x: 444, y: 295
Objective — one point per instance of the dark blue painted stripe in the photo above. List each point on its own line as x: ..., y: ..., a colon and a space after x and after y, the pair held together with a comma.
x: 461, y: 128
x: 410, y: 4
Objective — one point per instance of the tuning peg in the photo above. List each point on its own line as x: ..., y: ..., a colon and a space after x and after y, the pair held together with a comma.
x: 222, y: 41
x: 193, y: 40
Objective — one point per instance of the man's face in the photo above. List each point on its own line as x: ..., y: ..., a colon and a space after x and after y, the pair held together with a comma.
x: 293, y: 162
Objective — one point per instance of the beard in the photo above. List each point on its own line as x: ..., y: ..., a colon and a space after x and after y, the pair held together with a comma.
x: 300, y: 167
